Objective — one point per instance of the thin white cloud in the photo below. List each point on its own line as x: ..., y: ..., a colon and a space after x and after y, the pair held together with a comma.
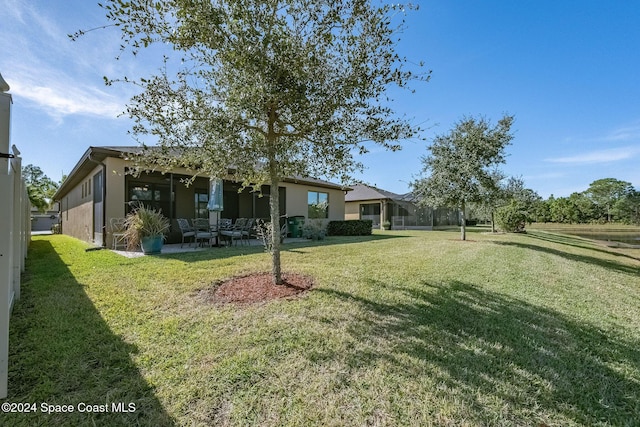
x: 52, y: 73
x: 599, y: 156
x: 14, y: 9
x: 624, y: 133
x: 60, y: 100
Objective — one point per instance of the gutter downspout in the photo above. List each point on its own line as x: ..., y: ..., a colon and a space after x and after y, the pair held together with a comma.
x: 104, y: 199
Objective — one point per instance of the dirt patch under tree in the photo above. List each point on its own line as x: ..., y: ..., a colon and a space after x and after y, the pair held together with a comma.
x: 256, y: 288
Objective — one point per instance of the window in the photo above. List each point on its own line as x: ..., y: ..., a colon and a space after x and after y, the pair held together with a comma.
x: 201, y: 201
x: 151, y: 195
x: 318, y: 204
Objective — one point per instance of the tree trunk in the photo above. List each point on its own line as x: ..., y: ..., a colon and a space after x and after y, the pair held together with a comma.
x: 274, y: 204
x: 493, y: 222
x: 274, y: 198
x: 463, y: 229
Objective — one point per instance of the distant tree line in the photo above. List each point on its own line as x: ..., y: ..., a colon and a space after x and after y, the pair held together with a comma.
x: 606, y: 200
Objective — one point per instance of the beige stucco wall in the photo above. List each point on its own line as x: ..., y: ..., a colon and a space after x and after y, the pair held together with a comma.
x: 77, y: 209
x: 115, y: 188
x: 351, y: 210
x: 297, y: 200
x: 114, y: 203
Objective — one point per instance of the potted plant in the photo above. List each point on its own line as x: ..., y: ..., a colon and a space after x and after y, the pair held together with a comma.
x: 386, y: 225
x: 146, y: 227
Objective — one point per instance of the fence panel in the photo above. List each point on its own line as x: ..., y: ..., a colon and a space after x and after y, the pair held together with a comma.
x: 14, y: 232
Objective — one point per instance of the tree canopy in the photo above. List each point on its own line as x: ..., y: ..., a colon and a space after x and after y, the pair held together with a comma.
x: 606, y: 192
x: 40, y: 187
x: 266, y: 89
x: 461, y: 166
x: 606, y: 200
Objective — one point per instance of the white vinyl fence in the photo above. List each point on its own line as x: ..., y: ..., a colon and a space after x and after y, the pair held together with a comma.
x: 15, y: 232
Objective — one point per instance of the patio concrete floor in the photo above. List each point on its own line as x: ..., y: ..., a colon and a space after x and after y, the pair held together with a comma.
x: 174, y: 248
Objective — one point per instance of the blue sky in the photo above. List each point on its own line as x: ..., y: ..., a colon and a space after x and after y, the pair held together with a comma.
x: 569, y: 71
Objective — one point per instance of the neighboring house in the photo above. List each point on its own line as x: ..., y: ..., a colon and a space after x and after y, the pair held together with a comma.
x: 99, y: 188
x: 44, y: 221
x: 400, y: 210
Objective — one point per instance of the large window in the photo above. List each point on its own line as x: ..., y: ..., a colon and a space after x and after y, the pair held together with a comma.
x: 318, y: 204
x: 151, y: 195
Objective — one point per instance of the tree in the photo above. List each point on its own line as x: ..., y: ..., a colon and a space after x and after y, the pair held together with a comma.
x: 583, y: 209
x: 606, y: 192
x: 627, y: 209
x: 491, y: 198
x: 561, y: 210
x: 40, y: 187
x: 512, y: 217
x: 460, y: 168
x: 521, y: 207
x: 270, y: 89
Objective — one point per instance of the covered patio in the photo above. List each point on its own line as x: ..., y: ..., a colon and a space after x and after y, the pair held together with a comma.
x: 170, y: 194
x: 177, y: 248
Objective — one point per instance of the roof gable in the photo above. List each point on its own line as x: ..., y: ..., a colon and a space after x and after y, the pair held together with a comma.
x: 367, y: 192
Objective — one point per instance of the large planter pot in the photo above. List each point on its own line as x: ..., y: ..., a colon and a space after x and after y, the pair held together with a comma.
x: 151, y: 244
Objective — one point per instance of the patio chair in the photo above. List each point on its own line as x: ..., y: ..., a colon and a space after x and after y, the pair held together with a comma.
x: 203, y: 231
x: 118, y: 237
x: 235, y: 232
x: 186, y: 230
x: 247, y: 229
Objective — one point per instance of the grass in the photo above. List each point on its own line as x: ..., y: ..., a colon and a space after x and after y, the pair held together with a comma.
x: 402, y: 328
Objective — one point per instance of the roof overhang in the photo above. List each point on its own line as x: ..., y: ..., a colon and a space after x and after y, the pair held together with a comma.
x: 95, y: 156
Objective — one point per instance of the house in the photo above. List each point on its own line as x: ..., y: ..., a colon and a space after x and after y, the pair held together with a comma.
x: 401, y: 211
x: 99, y: 188
x: 44, y: 221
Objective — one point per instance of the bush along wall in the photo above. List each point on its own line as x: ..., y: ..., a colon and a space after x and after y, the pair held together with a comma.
x: 354, y: 227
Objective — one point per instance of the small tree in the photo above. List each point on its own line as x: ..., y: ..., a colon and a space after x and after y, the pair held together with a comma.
x: 512, y: 217
x: 462, y: 163
x: 272, y: 88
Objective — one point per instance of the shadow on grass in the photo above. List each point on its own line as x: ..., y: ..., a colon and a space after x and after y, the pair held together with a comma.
x: 608, y: 264
x: 505, y: 361
x: 576, y: 242
x: 63, y: 353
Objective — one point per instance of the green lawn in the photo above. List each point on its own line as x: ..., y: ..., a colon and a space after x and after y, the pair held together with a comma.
x: 402, y: 328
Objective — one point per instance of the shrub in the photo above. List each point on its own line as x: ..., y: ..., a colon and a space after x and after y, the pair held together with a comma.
x: 264, y: 232
x: 354, y: 227
x: 314, y: 229
x: 512, y: 217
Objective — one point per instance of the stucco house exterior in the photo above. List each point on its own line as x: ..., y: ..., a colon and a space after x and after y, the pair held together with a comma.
x: 400, y: 210
x: 99, y: 188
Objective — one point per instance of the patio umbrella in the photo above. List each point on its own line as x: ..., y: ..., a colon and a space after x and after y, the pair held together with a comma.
x: 215, y: 199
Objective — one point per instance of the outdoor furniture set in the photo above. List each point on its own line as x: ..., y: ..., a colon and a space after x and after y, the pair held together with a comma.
x: 201, y: 232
